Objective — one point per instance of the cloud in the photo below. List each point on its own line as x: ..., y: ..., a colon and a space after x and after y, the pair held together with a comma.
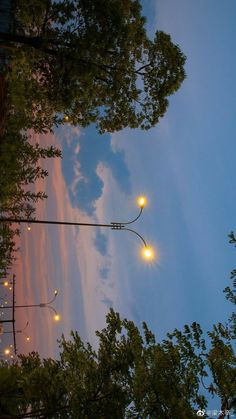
x: 83, y: 152
x: 82, y: 263
x: 104, y: 272
x: 101, y: 242
x: 107, y: 302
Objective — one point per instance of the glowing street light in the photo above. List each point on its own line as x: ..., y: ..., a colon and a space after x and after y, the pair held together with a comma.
x: 19, y: 331
x: 7, y: 353
x: 118, y: 226
x: 56, y: 316
x: 5, y: 283
x: 148, y: 253
x: 142, y: 201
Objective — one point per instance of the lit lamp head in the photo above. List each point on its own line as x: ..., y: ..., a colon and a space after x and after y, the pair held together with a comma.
x: 7, y: 351
x: 29, y: 228
x: 57, y: 317
x: 55, y: 292
x: 142, y: 201
x: 5, y: 283
x: 148, y: 253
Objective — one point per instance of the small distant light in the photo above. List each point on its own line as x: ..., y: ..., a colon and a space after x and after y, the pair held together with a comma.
x: 28, y: 338
x: 57, y: 317
x: 7, y: 351
x: 66, y: 118
x: 5, y: 283
x: 29, y: 228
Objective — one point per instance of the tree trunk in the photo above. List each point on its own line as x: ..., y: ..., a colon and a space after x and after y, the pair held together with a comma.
x: 34, y: 42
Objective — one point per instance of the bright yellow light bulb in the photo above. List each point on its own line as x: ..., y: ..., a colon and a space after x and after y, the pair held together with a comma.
x: 28, y: 338
x: 142, y: 201
x: 7, y: 351
x: 148, y: 253
x: 57, y: 317
x: 28, y: 228
x: 6, y: 283
x: 66, y: 117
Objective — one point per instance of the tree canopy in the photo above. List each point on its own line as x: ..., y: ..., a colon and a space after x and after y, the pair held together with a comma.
x: 93, y: 62
x: 20, y: 167
x: 130, y: 375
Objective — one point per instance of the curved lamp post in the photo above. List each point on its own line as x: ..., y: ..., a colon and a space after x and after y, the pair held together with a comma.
x: 19, y: 331
x: 147, y: 252
x: 41, y: 305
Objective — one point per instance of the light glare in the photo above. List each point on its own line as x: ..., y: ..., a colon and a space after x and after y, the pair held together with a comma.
x: 57, y: 317
x: 142, y: 201
x: 148, y: 253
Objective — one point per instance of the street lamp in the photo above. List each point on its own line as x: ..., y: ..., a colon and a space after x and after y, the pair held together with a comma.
x: 18, y: 331
x: 148, y: 253
x: 7, y: 353
x: 5, y: 283
x: 147, y: 250
x: 56, y: 316
x: 142, y: 201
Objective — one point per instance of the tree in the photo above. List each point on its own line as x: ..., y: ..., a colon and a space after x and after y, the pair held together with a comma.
x: 129, y: 376
x: 19, y: 169
x: 93, y: 62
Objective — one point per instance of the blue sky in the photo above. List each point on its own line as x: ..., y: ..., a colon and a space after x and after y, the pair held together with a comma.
x: 185, y: 166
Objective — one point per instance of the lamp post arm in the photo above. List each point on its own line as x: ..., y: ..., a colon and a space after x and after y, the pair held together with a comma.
x: 51, y: 301
x: 137, y: 234
x: 53, y: 309
x: 22, y: 306
x: 132, y: 221
x: 27, y: 221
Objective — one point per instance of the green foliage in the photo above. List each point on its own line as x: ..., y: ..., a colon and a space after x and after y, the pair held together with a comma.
x: 91, y: 61
x: 19, y: 169
x: 129, y: 376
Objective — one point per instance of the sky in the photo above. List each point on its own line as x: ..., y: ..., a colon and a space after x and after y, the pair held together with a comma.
x: 185, y: 166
